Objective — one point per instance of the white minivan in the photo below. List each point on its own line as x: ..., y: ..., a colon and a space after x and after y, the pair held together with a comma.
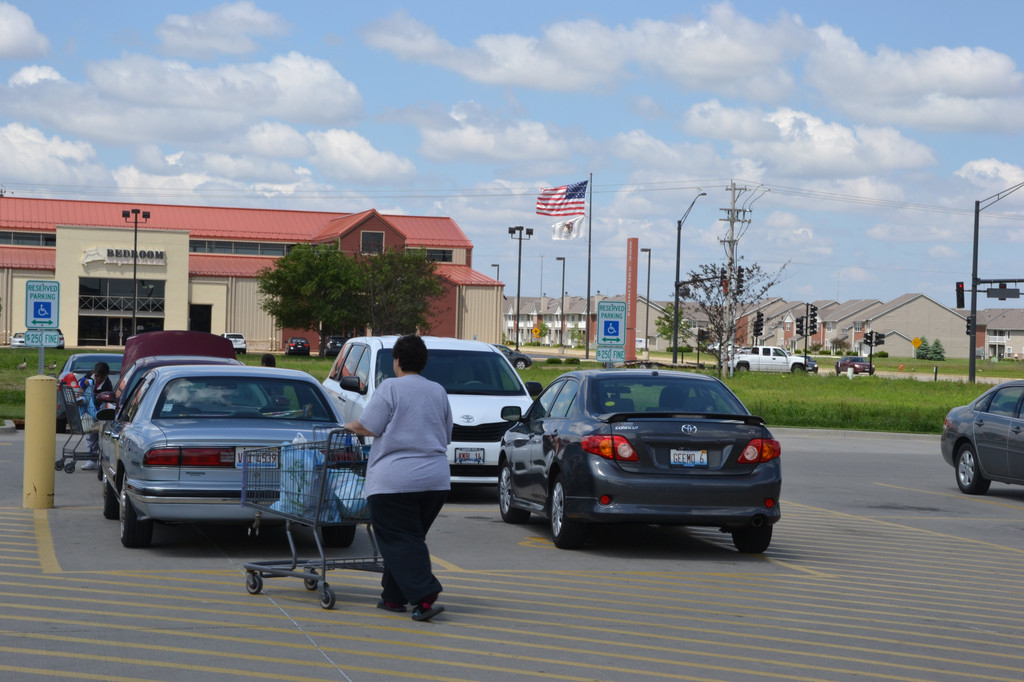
x: 479, y: 380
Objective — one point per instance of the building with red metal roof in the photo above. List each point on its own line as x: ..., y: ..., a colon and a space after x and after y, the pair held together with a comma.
x: 213, y: 254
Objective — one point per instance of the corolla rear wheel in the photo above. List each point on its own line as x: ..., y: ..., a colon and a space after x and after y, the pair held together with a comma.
x: 509, y: 514
x: 567, y: 533
x: 968, y: 473
x: 134, y: 532
x: 752, y: 539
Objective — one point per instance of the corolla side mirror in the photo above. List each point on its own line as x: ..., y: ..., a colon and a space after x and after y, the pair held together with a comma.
x: 511, y: 413
x: 105, y: 415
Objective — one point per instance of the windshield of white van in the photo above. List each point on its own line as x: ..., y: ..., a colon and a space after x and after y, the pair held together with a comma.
x: 462, y: 372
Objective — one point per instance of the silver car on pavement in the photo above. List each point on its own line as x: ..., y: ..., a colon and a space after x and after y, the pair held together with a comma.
x: 172, y: 452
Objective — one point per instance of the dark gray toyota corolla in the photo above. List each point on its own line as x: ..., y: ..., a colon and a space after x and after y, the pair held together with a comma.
x: 640, y: 446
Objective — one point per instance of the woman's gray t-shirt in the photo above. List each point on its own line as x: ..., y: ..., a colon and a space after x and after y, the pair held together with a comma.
x: 412, y: 418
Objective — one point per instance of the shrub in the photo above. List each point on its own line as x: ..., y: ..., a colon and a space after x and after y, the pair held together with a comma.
x: 553, y: 361
x: 882, y: 354
x: 572, y: 361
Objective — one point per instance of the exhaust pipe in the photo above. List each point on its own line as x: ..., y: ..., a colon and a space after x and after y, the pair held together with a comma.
x: 758, y: 521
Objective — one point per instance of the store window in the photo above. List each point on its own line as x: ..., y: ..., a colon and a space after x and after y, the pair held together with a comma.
x: 371, y: 242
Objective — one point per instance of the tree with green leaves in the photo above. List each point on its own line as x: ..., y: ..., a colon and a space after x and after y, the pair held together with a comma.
x: 938, y: 351
x: 400, y: 288
x: 314, y: 287
x: 924, y: 351
x: 663, y: 325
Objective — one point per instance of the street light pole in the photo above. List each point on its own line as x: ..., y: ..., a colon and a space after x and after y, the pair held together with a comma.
x: 126, y: 214
x: 647, y: 317
x: 973, y: 319
x: 561, y: 308
x: 517, y: 233
x: 679, y: 240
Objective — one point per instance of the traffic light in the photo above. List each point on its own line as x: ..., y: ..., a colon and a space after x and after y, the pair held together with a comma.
x: 812, y: 320
x: 758, y: 324
x: 970, y: 326
x: 725, y: 282
x: 879, y: 339
x: 869, y: 338
x: 800, y: 326
x: 683, y: 289
x: 959, y: 294
x: 739, y: 280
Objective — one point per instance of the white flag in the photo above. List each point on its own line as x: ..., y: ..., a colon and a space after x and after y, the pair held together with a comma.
x: 568, y: 229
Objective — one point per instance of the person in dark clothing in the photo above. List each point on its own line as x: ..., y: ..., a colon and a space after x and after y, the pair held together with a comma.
x: 407, y: 476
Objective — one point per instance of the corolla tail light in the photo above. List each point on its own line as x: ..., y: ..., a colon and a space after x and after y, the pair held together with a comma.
x: 760, y: 450
x: 610, y: 447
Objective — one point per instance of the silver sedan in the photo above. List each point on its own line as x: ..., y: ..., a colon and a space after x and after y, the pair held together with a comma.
x: 172, y: 453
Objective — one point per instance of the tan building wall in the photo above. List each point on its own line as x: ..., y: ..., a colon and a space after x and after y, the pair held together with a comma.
x: 922, y: 317
x: 480, y: 314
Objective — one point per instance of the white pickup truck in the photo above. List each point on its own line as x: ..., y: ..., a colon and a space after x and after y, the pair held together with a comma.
x: 771, y: 359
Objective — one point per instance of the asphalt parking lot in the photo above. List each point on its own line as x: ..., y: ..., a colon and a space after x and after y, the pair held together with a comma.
x: 880, y: 569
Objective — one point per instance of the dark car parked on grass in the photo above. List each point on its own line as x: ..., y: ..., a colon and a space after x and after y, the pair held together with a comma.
x: 860, y: 365
x: 297, y: 346
x: 982, y: 440
x: 518, y: 360
x: 333, y: 345
x: 614, y: 446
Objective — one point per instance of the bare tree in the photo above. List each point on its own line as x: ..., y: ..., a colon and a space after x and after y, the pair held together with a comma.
x: 713, y: 291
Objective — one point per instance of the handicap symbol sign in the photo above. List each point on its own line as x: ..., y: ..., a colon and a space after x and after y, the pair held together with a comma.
x: 611, y: 328
x: 43, y: 310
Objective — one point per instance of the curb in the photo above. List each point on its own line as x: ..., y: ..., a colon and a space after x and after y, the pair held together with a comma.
x: 7, y: 426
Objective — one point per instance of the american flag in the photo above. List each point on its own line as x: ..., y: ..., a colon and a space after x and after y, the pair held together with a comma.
x: 567, y: 200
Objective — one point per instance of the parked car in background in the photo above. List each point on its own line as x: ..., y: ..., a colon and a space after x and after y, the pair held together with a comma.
x: 860, y: 365
x: 982, y: 442
x: 476, y: 376
x: 81, y: 364
x: 238, y: 341
x: 18, y: 340
x: 810, y: 363
x: 297, y: 345
x: 634, y: 446
x: 518, y: 360
x: 333, y: 345
x: 174, y: 456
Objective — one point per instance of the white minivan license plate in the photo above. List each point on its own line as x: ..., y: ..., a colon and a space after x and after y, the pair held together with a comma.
x: 469, y: 455
x: 688, y: 458
x: 258, y: 458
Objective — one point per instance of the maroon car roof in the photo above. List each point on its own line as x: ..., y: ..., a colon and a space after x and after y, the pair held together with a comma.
x: 176, y: 342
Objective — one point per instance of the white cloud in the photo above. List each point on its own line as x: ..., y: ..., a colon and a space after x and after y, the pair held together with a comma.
x: 942, y: 88
x: 348, y: 156
x: 30, y: 75
x: 942, y: 251
x: 798, y: 144
x: 18, y: 35
x: 991, y: 174
x: 652, y: 154
x: 31, y: 157
x: 226, y: 29
x: 725, y: 53
x: 469, y: 132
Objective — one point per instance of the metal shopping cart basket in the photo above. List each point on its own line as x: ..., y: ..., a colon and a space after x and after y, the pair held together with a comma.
x: 78, y: 427
x: 318, y: 484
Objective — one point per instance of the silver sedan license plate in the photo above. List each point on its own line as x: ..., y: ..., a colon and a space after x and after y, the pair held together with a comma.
x: 257, y: 458
x: 688, y: 458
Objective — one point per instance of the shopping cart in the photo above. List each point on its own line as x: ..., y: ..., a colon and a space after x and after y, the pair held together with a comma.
x: 318, y: 484
x: 78, y: 427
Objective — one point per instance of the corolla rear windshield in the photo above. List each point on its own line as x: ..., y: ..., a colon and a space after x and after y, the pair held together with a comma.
x: 462, y: 372
x: 242, y: 398
x: 662, y: 394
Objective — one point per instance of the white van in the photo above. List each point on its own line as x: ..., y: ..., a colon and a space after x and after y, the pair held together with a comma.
x: 479, y: 380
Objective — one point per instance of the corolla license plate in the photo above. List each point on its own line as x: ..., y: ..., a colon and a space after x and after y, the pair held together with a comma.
x: 261, y: 458
x: 688, y: 458
x: 469, y: 455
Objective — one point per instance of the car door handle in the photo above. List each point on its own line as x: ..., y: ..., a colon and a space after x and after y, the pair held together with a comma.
x: 1016, y: 430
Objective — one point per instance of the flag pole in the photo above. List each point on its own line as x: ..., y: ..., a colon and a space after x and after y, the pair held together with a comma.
x: 590, y: 232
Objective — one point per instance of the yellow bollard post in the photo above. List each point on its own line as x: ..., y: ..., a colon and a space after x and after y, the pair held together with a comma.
x: 40, y: 442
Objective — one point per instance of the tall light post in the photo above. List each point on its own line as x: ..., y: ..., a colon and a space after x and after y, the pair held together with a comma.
x: 561, y: 308
x: 647, y: 317
x: 972, y: 321
x: 679, y: 242
x: 517, y: 233
x: 126, y: 214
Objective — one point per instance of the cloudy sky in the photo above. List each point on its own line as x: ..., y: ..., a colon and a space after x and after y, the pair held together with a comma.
x: 860, y: 134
